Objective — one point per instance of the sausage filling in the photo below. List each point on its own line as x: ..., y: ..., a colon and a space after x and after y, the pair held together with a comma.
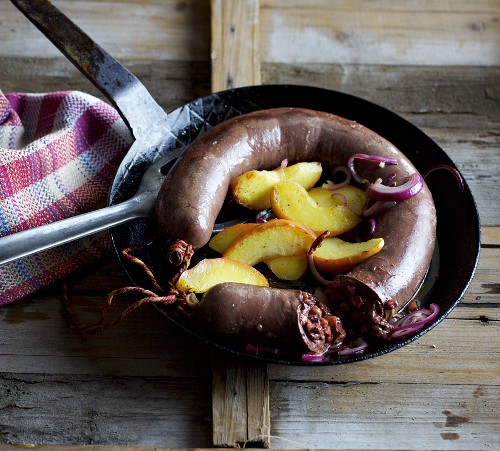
x: 319, y: 329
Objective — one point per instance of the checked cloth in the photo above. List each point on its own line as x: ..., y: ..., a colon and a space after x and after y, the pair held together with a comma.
x: 58, y: 155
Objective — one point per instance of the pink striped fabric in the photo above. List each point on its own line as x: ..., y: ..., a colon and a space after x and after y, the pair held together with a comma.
x: 58, y: 155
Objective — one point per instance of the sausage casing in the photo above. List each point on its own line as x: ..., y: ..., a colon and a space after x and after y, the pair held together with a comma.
x: 288, y: 320
x: 194, y: 191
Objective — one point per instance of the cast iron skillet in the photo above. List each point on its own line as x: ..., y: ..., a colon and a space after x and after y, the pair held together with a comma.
x: 156, y: 134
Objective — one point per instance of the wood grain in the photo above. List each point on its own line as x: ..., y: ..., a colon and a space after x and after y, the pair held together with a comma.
x: 425, y: 33
x: 240, y: 388
x: 240, y: 402
x: 235, y: 43
x: 152, y: 30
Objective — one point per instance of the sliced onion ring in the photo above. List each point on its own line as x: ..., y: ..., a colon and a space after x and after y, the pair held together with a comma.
x: 378, y: 191
x: 333, y: 186
x: 404, y: 327
x: 264, y: 216
x: 313, y: 357
x: 283, y: 164
x: 448, y: 168
x: 364, y: 156
x: 310, y: 258
x: 358, y: 346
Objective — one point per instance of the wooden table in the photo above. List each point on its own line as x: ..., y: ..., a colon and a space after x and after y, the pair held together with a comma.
x: 144, y: 383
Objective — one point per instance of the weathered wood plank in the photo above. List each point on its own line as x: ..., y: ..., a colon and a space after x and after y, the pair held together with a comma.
x: 41, y: 340
x: 240, y: 402
x: 490, y: 236
x: 415, y: 416
x: 443, y: 356
x: 339, y: 415
x: 152, y: 30
x: 424, y: 33
x: 172, y: 83
x: 235, y: 43
x: 48, y: 409
x: 240, y: 388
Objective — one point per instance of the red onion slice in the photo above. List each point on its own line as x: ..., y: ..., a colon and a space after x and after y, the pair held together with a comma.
x: 358, y: 346
x: 364, y: 156
x: 378, y: 191
x: 333, y: 186
x: 310, y: 259
x: 283, y: 164
x: 313, y: 357
x: 407, y: 326
x: 448, y: 168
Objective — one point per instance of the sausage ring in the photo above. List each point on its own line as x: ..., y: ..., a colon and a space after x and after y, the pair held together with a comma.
x: 194, y: 191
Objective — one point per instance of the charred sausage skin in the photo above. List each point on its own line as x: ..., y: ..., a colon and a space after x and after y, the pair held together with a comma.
x: 194, y: 191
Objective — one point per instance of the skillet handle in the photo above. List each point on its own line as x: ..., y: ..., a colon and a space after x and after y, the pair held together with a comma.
x: 34, y: 240
x: 129, y: 96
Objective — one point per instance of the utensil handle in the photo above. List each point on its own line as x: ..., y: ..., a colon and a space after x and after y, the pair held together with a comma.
x: 34, y: 240
x: 136, y: 106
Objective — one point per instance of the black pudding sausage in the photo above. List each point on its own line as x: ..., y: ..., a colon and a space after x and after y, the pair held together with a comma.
x: 194, y: 191
x: 287, y: 320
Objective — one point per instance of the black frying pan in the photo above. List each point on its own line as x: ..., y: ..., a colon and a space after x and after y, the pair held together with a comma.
x: 157, y: 133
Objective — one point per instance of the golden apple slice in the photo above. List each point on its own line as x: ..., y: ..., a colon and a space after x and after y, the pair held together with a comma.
x: 286, y: 268
x: 355, y: 197
x: 291, y: 201
x: 276, y: 238
x: 334, y: 255
x: 226, y: 237
x: 290, y: 267
x: 252, y: 189
x: 212, y: 271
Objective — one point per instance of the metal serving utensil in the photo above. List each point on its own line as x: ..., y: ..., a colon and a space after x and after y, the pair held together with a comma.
x: 40, y: 238
x: 147, y: 121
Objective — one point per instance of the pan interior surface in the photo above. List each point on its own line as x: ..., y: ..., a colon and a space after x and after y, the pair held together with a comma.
x: 455, y: 258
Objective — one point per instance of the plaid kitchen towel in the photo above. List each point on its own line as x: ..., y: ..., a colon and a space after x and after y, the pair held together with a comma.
x: 58, y: 155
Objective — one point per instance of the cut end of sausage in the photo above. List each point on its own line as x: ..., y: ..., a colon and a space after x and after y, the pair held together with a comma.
x: 361, y: 309
x: 292, y: 321
x: 319, y: 329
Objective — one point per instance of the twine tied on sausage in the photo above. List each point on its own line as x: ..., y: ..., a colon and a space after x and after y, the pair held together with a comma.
x: 59, y: 152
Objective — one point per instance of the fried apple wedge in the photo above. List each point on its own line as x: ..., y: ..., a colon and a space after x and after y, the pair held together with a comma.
x: 212, y: 271
x: 291, y: 267
x: 275, y: 238
x: 291, y: 201
x: 335, y: 255
x: 354, y: 197
x: 253, y: 188
x: 226, y: 237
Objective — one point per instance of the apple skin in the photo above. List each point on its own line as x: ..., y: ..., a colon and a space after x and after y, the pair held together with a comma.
x: 252, y: 189
x: 291, y: 201
x: 334, y: 255
x: 212, y: 271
